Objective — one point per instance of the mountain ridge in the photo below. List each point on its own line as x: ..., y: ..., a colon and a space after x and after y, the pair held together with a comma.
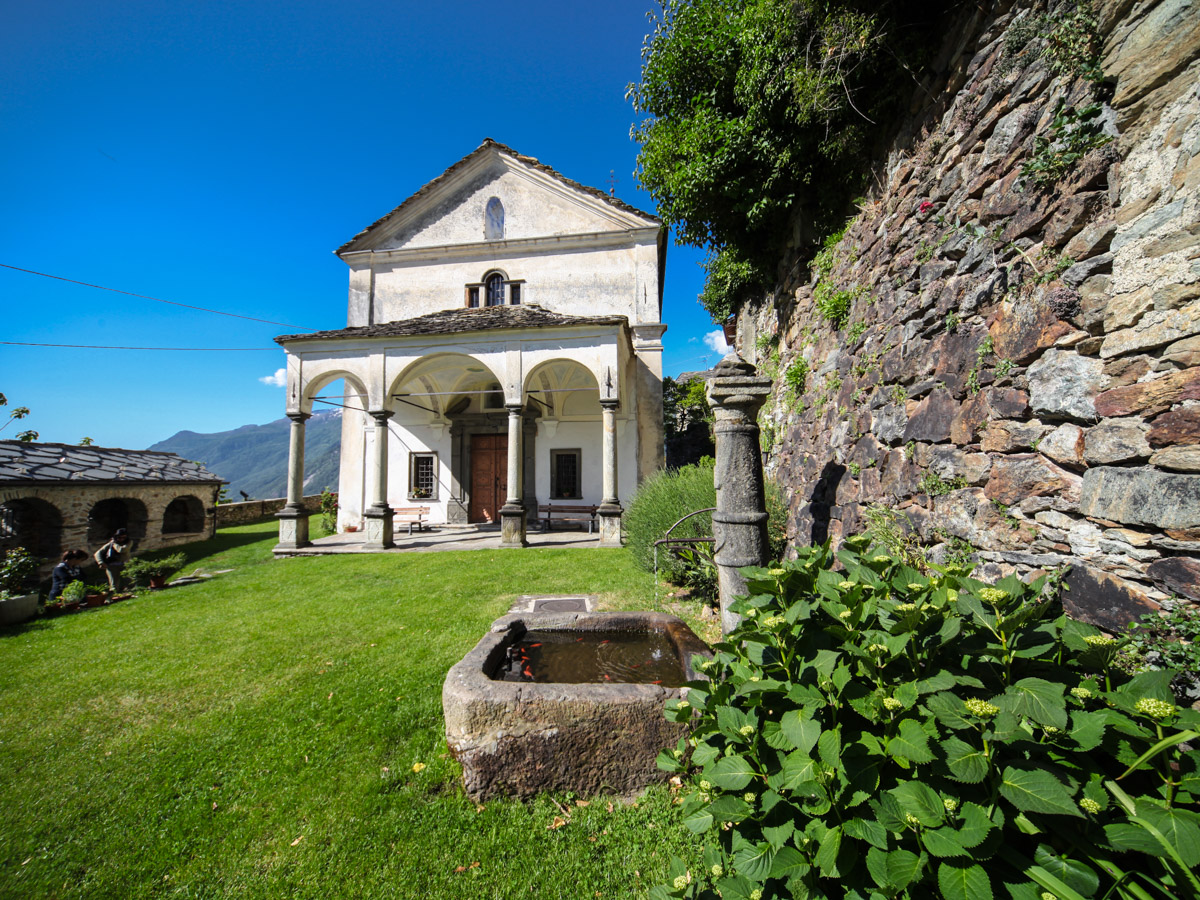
x: 253, y: 458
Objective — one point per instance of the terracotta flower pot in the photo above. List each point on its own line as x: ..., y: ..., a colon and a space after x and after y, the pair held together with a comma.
x: 158, y: 582
x: 94, y: 600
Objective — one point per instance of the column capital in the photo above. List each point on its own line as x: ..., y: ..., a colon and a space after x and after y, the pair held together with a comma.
x: 514, y: 409
x: 611, y: 404
x: 299, y: 417
x: 381, y: 415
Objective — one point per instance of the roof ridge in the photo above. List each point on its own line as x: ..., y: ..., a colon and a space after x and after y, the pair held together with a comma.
x: 490, y: 143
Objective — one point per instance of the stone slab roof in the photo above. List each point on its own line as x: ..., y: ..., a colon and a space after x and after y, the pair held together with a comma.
x: 489, y: 144
x: 459, y: 321
x: 22, y: 462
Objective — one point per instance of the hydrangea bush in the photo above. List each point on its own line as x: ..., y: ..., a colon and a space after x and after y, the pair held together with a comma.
x: 874, y: 732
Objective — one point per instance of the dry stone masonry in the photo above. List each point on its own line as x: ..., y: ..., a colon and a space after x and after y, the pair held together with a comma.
x: 1019, y: 370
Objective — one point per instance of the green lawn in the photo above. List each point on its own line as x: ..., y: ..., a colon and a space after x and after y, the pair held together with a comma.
x: 255, y: 736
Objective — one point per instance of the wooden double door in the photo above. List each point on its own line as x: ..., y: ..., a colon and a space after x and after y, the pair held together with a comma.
x: 489, y: 477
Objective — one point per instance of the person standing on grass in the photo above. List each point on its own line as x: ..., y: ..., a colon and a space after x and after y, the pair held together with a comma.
x: 70, y: 569
x: 111, y: 558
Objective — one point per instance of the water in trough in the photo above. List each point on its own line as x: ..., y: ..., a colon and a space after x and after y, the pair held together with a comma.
x: 593, y: 657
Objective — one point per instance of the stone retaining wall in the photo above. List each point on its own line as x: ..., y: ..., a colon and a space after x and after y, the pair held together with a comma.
x: 253, y: 510
x: 1020, y: 370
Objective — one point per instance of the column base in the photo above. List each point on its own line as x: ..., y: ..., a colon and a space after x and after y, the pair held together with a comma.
x: 512, y: 526
x: 377, y: 525
x: 293, y: 528
x: 609, y: 515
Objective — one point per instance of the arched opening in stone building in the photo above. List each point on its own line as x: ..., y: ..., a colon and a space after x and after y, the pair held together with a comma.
x: 31, y: 523
x: 183, y: 515
x: 117, y: 512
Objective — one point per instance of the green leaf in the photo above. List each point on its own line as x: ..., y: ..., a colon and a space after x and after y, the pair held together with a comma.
x: 974, y: 825
x: 963, y: 882
x: 948, y: 709
x: 788, y: 861
x: 921, y: 801
x: 867, y: 830
x: 1087, y: 728
x: 1038, y: 699
x: 1075, y: 874
x: 829, y: 748
x: 890, y: 813
x: 1035, y: 790
x: 797, y: 770
x: 1177, y: 826
x: 667, y: 762
x: 1127, y: 836
x: 699, y: 821
x: 778, y: 835
x: 802, y: 731
x: 730, y: 773
x: 912, y: 743
x: 755, y: 863
x: 942, y: 842
x: 897, y: 869
x: 729, y: 808
x: 966, y: 763
x: 827, y: 853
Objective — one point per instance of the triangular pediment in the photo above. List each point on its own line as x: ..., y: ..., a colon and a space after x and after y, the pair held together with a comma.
x: 494, y: 194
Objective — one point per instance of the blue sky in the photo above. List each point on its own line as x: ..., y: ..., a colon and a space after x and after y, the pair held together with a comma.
x: 215, y: 153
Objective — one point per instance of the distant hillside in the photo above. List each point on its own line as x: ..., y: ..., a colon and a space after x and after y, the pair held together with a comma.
x: 253, y: 458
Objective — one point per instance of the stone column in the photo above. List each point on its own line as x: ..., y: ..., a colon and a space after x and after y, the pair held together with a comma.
x: 740, y: 522
x: 512, y: 513
x: 378, y: 516
x: 293, y: 518
x: 610, y: 509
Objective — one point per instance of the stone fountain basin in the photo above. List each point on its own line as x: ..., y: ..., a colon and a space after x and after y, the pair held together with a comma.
x: 520, y: 738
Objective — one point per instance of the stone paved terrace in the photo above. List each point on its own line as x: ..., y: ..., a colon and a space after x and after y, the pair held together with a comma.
x: 443, y: 537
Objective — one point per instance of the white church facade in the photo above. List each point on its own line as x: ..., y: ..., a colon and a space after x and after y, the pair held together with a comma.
x: 503, y: 350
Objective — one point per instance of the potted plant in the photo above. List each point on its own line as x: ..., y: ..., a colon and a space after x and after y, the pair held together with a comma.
x: 18, y: 570
x: 153, y: 572
x: 72, y: 597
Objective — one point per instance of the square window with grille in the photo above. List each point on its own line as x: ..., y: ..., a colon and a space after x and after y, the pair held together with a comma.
x: 422, y: 476
x: 566, y: 482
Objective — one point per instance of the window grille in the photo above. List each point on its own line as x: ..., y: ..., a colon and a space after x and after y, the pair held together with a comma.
x: 422, y: 476
x: 495, y: 289
x: 565, y: 481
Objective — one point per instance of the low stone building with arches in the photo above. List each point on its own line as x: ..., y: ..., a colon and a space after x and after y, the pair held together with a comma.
x: 59, y: 496
x: 503, y: 349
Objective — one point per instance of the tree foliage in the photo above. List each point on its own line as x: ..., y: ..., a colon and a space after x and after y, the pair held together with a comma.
x: 753, y: 109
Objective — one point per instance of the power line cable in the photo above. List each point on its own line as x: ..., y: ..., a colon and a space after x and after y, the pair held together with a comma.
x: 178, y: 349
x: 155, y: 299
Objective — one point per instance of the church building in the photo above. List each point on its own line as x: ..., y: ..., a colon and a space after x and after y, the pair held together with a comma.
x: 503, y: 350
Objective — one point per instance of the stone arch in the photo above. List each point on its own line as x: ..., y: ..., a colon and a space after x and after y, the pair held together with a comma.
x: 106, y: 516
x: 313, y: 387
x: 183, y: 515
x: 564, y: 388
x: 32, y: 523
x: 440, y: 382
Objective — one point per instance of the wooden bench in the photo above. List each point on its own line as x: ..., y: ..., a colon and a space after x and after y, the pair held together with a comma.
x: 411, y: 515
x: 547, y: 510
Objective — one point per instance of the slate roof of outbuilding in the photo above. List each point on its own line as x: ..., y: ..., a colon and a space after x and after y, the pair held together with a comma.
x: 487, y: 144
x: 459, y: 321
x: 22, y: 462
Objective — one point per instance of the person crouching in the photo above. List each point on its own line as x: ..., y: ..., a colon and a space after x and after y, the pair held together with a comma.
x: 111, y: 558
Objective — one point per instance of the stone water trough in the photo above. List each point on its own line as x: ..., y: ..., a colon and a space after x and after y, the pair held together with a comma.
x: 539, y: 704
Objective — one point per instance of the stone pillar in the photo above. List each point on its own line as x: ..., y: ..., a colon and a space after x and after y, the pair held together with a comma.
x: 293, y: 518
x: 378, y: 516
x: 740, y: 522
x: 610, y: 510
x: 512, y: 513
